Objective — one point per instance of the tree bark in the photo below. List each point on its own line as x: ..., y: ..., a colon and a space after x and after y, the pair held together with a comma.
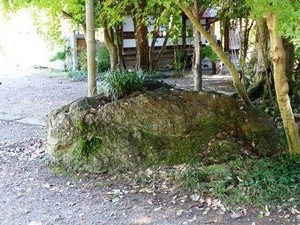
x: 197, y: 70
x: 278, y: 59
x: 111, y: 46
x: 262, y: 46
x: 141, y: 37
x: 210, y: 39
x: 290, y: 58
x: 263, y: 64
x: 91, y: 48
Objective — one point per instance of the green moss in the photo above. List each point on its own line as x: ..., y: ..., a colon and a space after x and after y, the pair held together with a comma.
x: 88, y: 147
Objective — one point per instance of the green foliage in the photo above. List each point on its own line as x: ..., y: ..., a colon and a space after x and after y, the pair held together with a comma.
x: 60, y: 55
x: 252, y: 182
x: 287, y: 12
x: 119, y: 83
x: 86, y: 147
x: 152, y: 75
x: 181, y: 61
x: 82, y: 61
x: 209, y: 53
x: 297, y: 51
x: 103, y: 60
x: 48, y: 14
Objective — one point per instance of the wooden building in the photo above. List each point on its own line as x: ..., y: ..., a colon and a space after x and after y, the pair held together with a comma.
x: 185, y: 43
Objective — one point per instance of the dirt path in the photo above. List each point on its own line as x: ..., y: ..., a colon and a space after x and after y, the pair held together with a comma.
x: 31, y: 192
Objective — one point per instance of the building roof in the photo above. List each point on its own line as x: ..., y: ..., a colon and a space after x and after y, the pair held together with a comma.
x: 210, y: 13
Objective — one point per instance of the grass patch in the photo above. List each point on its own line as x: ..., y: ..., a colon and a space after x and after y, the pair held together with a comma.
x: 272, y: 182
x: 269, y: 181
x: 120, y: 83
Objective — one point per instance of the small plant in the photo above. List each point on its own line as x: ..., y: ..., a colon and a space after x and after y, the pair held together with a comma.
x: 82, y: 60
x: 77, y: 75
x: 103, y: 60
x: 60, y: 55
x: 209, y: 53
x: 119, y: 83
x: 151, y: 75
x: 86, y: 147
x: 181, y: 61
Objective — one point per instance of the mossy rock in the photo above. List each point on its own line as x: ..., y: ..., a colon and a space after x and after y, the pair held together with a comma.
x: 172, y: 127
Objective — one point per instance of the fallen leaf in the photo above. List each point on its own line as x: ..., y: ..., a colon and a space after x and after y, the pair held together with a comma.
x: 212, y: 221
x: 47, y: 185
x: 115, y: 199
x: 266, y: 208
x: 294, y: 211
x: 193, y: 219
x: 239, y: 179
x: 195, y: 197
x: 179, y: 212
x: 146, y: 190
x: 208, y: 201
x: 157, y: 209
x: 237, y: 215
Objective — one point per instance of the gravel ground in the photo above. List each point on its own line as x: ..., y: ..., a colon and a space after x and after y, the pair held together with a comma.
x: 34, y: 193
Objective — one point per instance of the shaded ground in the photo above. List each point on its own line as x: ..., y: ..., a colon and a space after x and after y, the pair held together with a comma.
x: 31, y: 192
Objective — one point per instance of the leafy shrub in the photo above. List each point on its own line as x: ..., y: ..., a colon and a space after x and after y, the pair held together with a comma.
x: 181, y: 61
x: 119, y: 83
x: 60, y: 55
x: 82, y: 60
x: 103, y: 60
x: 209, y: 53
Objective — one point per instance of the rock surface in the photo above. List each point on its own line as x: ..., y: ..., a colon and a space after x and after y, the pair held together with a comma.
x: 173, y: 127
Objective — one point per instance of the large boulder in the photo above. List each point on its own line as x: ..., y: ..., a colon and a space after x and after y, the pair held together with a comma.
x: 172, y: 127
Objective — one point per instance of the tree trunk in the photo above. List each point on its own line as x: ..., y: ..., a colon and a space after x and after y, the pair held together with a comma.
x: 263, y: 64
x: 154, y: 36
x: 142, y: 47
x: 262, y: 46
x: 210, y: 39
x: 119, y: 45
x: 245, y: 42
x: 278, y: 59
x: 91, y: 48
x: 289, y: 48
x: 112, y: 48
x: 154, y: 60
x: 141, y: 38
x: 197, y: 51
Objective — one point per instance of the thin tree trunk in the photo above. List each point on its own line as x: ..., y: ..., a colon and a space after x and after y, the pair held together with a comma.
x: 281, y: 86
x: 91, y: 48
x: 119, y: 45
x: 112, y: 48
x: 197, y: 51
x: 263, y: 64
x: 210, y: 39
x: 155, y: 34
x: 246, y: 34
x: 154, y: 60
